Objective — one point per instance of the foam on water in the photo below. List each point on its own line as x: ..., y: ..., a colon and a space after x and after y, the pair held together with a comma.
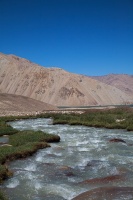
x: 58, y: 154
x: 37, y: 185
x: 12, y: 183
x: 78, y: 143
x: 83, y: 151
x: 50, y: 159
x: 39, y: 158
x: 29, y: 176
x: 63, y: 190
x: 31, y: 167
x: 74, y: 179
x: 82, y: 162
x: 124, y: 197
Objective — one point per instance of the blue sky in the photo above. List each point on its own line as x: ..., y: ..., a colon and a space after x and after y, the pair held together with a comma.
x: 92, y: 37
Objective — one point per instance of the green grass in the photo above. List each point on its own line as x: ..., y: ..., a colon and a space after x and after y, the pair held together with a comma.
x: 7, y: 130
x: 8, y: 153
x: 22, y: 137
x: 4, y: 172
x: 2, y: 196
x: 25, y: 143
x: 99, y: 118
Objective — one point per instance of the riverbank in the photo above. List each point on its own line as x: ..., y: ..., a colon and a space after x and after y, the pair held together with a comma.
x: 117, y: 118
x: 20, y: 145
x: 36, y: 113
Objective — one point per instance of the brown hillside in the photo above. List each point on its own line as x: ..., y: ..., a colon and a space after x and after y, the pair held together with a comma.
x: 123, y: 82
x: 10, y: 103
x: 54, y: 85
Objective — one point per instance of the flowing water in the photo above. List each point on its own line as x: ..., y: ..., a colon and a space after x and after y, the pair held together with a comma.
x: 58, y: 172
x: 4, y: 140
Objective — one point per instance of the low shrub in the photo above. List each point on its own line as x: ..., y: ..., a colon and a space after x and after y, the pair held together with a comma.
x: 4, y: 172
x: 22, y: 137
x: 130, y: 128
x: 98, y: 118
x: 2, y: 196
x: 7, y: 130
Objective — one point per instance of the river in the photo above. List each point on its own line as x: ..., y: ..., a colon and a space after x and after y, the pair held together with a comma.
x: 60, y: 172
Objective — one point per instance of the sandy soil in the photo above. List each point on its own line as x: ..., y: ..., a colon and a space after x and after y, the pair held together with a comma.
x: 19, y: 105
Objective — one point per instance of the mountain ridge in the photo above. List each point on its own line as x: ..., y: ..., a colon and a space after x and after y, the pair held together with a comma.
x: 124, y: 82
x: 55, y: 85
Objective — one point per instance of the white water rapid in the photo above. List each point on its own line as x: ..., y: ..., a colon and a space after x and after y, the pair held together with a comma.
x: 59, y: 172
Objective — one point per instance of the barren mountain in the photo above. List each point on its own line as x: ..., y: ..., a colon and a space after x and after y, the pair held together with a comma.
x: 123, y: 82
x: 14, y: 103
x: 54, y: 85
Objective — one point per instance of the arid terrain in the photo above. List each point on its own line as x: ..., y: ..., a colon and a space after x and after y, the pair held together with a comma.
x: 11, y: 104
x: 123, y: 82
x: 58, y: 87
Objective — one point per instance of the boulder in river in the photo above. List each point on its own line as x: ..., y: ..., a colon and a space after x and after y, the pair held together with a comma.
x: 64, y: 167
x: 104, y: 180
x: 65, y: 170
x: 107, y: 193
x: 58, y: 148
x: 117, y: 140
x: 93, y: 163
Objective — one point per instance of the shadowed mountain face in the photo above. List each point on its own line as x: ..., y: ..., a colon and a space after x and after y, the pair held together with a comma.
x: 11, y: 103
x: 123, y: 82
x: 55, y: 86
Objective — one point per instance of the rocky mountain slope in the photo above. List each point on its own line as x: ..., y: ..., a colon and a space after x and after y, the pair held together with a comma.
x: 11, y: 103
x: 54, y: 85
x: 123, y: 82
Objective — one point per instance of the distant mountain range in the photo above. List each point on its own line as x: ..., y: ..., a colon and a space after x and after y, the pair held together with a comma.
x: 123, y: 82
x: 61, y: 88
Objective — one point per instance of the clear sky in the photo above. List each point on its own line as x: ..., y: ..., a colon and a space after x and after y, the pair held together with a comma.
x: 92, y: 37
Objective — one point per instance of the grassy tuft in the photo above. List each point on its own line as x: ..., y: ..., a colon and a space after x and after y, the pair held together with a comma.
x: 8, y: 130
x: 22, y: 137
x: 119, y: 118
x: 2, y: 196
